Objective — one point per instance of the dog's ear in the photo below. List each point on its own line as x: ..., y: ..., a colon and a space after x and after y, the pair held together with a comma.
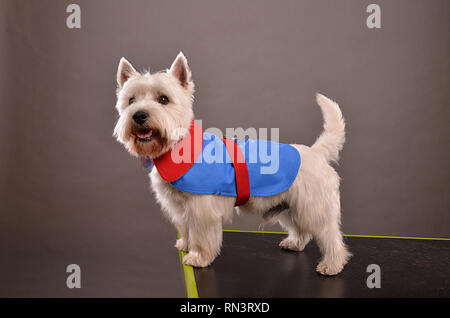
x: 124, y: 72
x: 180, y: 70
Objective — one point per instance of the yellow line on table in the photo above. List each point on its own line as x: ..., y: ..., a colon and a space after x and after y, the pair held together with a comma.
x: 354, y: 235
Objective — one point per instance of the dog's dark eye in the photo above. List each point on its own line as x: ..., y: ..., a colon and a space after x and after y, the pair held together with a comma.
x: 131, y: 100
x: 163, y: 99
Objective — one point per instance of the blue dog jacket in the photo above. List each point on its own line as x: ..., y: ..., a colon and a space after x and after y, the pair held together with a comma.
x: 269, y: 167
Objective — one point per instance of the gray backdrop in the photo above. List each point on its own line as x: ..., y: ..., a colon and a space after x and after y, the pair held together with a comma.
x: 71, y: 194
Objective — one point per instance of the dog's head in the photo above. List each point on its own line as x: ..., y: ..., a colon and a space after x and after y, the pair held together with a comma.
x: 155, y: 109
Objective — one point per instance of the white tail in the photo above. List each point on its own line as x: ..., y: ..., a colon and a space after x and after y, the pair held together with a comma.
x: 332, y: 139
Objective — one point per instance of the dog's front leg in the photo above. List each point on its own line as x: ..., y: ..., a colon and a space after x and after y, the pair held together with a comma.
x: 205, y: 236
x: 182, y: 244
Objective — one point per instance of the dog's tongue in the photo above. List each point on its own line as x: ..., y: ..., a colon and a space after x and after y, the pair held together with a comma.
x: 144, y: 135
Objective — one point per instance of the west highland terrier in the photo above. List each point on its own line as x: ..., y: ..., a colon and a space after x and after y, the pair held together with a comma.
x: 156, y: 123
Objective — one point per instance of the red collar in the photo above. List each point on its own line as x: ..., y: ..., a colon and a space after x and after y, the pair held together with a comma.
x: 177, y: 161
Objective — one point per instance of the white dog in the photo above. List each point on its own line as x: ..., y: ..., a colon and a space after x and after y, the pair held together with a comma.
x: 156, y: 110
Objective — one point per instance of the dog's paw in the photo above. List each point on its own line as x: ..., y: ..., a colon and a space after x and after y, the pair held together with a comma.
x: 295, y: 244
x: 291, y: 244
x: 196, y: 260
x: 329, y: 268
x: 181, y: 245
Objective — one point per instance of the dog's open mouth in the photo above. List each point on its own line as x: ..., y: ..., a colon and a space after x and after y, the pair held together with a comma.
x: 145, y: 135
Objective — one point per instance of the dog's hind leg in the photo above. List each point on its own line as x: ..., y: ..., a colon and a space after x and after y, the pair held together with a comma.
x: 297, y: 239
x: 334, y: 251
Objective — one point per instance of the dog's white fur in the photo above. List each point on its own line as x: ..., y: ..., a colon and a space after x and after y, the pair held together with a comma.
x: 313, y: 198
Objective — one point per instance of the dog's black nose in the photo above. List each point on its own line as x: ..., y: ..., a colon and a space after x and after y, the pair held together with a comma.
x: 140, y: 117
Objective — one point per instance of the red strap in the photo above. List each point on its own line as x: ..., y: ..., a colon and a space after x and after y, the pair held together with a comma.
x: 186, y: 152
x: 240, y: 170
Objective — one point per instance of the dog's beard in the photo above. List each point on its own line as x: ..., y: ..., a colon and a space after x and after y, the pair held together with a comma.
x: 147, y: 141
